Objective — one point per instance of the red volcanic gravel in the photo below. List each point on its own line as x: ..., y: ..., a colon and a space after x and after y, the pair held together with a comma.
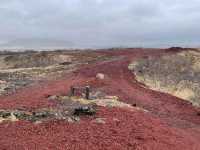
x: 169, y: 123
x: 123, y: 130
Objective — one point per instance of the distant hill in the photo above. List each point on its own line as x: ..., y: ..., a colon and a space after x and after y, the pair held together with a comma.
x: 36, y: 43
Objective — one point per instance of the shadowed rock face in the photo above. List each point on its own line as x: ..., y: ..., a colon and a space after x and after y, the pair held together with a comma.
x: 177, y: 74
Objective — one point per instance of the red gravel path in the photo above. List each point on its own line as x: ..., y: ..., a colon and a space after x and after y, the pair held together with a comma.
x: 171, y: 123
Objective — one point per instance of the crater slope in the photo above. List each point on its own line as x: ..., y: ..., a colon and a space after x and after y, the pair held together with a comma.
x: 177, y: 74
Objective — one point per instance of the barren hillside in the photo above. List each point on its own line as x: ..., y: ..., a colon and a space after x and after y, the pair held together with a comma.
x: 177, y: 74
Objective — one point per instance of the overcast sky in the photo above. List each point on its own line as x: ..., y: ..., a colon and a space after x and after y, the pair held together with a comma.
x: 99, y: 23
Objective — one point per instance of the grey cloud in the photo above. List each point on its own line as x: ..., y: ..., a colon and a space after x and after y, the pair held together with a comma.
x: 98, y: 23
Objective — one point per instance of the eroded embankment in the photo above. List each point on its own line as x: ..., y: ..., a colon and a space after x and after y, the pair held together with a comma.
x: 177, y: 74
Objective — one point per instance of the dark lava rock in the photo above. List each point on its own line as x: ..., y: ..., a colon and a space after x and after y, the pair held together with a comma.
x: 65, y: 63
x: 134, y: 105
x: 198, y: 113
x: 84, y: 110
x: 4, y: 114
x: 22, y: 115
x: 40, y: 115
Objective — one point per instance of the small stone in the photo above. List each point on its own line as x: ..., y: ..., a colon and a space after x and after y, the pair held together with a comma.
x: 75, y: 118
x: 100, y: 76
x: 4, y: 114
x: 70, y: 120
x: 65, y: 63
x: 115, y: 119
x: 13, y: 118
x: 52, y: 97
x: 40, y: 115
x: 37, y: 122
x: 22, y: 115
x: 100, y: 120
x: 134, y: 105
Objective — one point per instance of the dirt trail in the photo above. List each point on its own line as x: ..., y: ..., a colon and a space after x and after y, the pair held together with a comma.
x: 170, y: 123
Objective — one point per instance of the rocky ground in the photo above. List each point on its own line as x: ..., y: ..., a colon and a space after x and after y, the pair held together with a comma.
x: 121, y: 112
x: 18, y: 70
